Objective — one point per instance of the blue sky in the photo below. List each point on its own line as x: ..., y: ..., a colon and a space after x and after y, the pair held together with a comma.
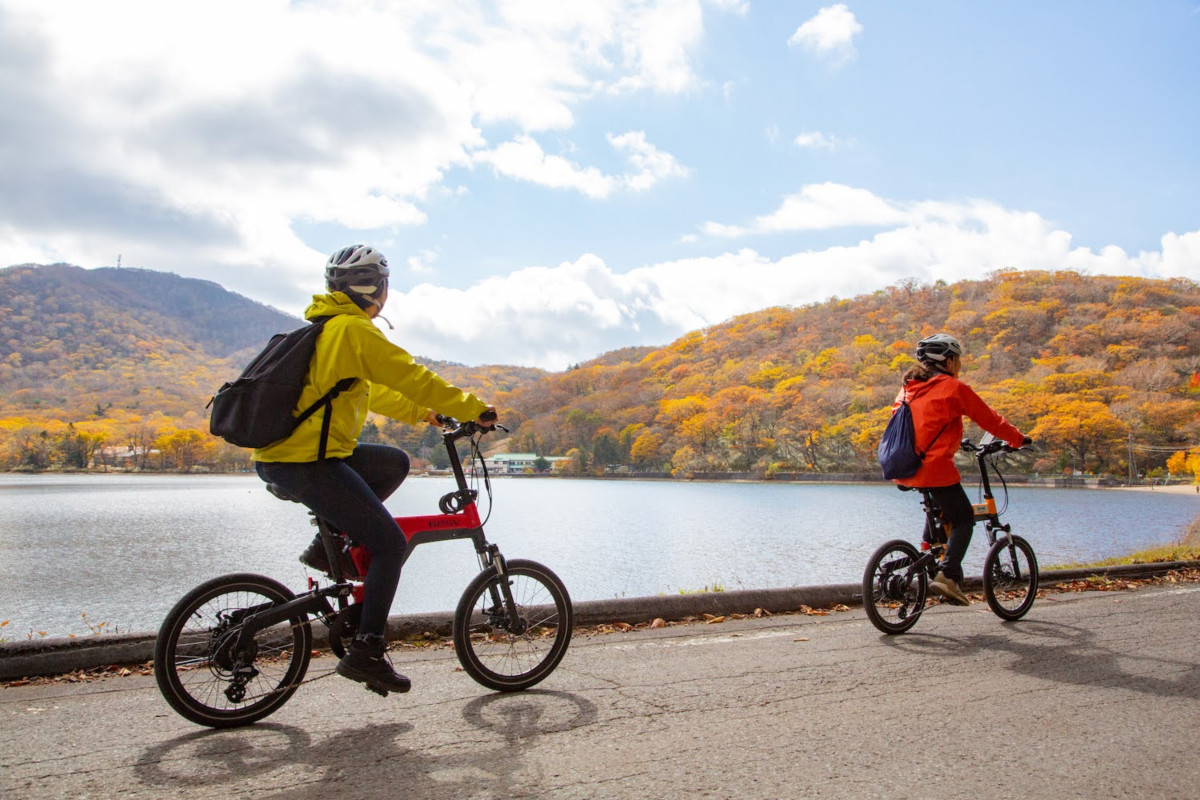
x: 554, y: 180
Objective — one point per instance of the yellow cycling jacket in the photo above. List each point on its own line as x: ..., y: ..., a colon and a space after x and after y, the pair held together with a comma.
x: 389, y: 383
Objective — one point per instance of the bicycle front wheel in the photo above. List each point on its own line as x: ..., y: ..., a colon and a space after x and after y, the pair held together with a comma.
x: 211, y: 674
x: 893, y: 595
x: 1010, y: 578
x: 510, y: 649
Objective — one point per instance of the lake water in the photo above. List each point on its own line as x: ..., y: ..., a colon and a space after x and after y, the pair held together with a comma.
x: 121, y: 549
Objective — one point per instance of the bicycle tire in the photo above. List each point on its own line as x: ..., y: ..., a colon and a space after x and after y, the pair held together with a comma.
x: 1010, y: 586
x: 893, y: 604
x: 194, y: 663
x: 499, y: 658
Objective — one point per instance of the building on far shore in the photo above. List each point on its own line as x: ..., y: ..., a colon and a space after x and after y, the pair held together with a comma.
x: 520, y: 463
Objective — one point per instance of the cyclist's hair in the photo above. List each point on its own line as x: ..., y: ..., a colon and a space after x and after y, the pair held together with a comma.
x: 921, y: 372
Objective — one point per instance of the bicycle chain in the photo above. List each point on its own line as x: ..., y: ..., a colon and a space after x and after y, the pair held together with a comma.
x: 308, y: 678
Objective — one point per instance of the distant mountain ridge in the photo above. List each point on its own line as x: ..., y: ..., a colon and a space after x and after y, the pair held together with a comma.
x: 199, y: 312
x: 75, y: 340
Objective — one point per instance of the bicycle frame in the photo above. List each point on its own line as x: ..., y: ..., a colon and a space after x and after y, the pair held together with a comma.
x: 986, y: 511
x: 895, y: 580
x: 222, y: 663
x: 934, y: 541
x: 459, y: 519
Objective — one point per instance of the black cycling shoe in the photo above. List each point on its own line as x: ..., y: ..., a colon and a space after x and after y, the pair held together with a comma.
x: 367, y: 663
x: 314, y: 557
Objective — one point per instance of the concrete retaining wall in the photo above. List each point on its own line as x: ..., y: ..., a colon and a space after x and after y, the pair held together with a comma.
x: 57, y: 656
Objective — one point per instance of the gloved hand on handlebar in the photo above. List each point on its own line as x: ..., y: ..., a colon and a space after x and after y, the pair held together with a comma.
x: 1028, y: 442
x: 485, y: 423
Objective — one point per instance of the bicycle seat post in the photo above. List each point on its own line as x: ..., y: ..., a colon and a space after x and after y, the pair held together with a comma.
x: 332, y: 543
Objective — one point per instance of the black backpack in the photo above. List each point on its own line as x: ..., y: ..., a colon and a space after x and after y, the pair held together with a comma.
x: 256, y: 409
x: 898, y: 455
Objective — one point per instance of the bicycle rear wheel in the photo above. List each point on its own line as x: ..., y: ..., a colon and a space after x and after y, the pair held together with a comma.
x: 893, y: 598
x: 1010, y: 578
x: 210, y: 677
x: 507, y: 654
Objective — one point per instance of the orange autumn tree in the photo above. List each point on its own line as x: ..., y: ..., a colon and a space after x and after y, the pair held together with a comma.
x: 1087, y: 429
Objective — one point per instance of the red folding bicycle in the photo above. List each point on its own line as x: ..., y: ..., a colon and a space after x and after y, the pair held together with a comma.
x: 236, y: 648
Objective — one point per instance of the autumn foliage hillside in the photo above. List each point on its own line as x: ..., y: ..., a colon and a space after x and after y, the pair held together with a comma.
x: 1102, y: 371
x: 98, y: 362
x: 1096, y: 368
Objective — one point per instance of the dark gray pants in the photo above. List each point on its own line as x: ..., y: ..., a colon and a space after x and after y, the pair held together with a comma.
x: 960, y: 519
x: 348, y: 493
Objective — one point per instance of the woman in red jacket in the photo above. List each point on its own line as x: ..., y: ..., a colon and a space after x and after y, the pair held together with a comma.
x: 939, y: 400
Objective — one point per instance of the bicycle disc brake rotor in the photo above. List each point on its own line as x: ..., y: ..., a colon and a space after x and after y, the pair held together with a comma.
x: 224, y: 659
x: 893, y: 582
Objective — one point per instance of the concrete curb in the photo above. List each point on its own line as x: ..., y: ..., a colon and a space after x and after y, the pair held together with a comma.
x: 58, y: 656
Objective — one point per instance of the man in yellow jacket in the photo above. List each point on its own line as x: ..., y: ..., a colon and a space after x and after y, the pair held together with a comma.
x: 348, y: 482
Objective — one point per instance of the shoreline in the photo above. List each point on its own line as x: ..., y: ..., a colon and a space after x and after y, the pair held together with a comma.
x: 1174, y: 488
x: 816, y: 479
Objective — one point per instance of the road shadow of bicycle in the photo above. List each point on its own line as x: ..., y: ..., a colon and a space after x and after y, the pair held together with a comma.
x: 1066, y: 654
x: 302, y: 766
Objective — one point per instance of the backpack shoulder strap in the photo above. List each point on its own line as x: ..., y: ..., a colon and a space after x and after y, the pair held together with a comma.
x: 933, y: 441
x: 935, y: 438
x: 325, y: 401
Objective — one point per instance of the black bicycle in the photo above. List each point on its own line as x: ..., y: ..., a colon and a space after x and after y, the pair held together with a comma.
x: 896, y: 580
x: 235, y: 648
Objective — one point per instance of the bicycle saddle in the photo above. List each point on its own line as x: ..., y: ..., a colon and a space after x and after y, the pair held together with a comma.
x: 281, y: 493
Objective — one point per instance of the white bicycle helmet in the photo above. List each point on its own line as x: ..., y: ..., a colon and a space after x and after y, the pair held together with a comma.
x: 358, y: 270
x: 937, y: 348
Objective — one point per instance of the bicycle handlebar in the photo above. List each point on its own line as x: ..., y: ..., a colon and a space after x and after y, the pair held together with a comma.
x: 994, y: 446
x: 458, y: 430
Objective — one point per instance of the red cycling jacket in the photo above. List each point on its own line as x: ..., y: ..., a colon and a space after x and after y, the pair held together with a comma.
x: 942, y: 401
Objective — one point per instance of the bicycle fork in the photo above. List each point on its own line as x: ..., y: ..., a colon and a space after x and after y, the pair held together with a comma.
x: 503, y: 608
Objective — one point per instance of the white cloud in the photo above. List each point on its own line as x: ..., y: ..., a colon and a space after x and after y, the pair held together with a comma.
x: 829, y: 35
x: 739, y: 7
x: 196, y: 138
x: 524, y: 159
x: 651, y: 164
x: 422, y: 262
x: 556, y: 316
x: 820, y: 206
x: 815, y: 140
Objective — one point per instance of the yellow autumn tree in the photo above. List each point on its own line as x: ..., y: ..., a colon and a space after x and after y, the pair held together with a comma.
x: 1085, y: 429
x: 647, y: 449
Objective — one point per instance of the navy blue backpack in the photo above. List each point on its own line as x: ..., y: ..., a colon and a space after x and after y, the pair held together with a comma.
x: 898, y: 454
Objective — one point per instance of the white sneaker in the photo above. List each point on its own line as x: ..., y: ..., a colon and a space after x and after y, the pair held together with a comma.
x: 943, y: 586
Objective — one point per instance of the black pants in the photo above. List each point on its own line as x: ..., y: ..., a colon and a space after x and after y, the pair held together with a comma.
x: 960, y: 519
x: 348, y: 493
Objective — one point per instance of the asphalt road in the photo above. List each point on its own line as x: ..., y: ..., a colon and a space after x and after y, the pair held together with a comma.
x: 1092, y: 695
